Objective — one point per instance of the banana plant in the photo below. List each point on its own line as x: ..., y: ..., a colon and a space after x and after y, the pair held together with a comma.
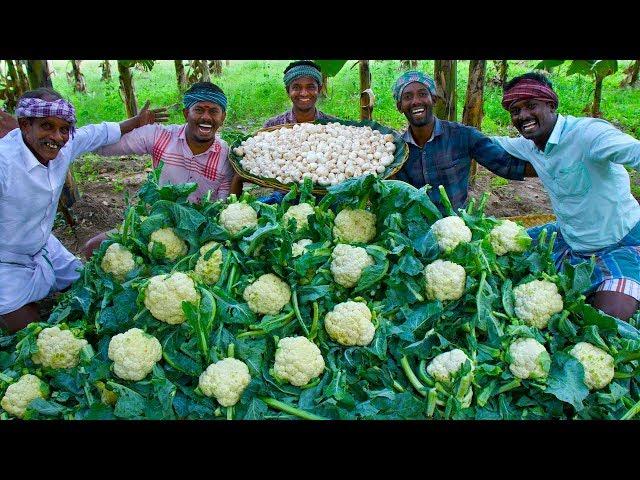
x: 597, y: 69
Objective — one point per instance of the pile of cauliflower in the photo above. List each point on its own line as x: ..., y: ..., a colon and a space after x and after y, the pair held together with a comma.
x: 327, y: 154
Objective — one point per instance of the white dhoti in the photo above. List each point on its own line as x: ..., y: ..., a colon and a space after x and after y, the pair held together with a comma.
x: 29, y: 278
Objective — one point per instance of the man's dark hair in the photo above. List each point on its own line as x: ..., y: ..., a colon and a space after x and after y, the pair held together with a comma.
x: 42, y: 93
x: 204, y: 86
x: 529, y: 75
x: 311, y: 63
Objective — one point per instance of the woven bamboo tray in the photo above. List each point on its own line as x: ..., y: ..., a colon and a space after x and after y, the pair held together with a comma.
x: 399, y: 157
x: 532, y: 220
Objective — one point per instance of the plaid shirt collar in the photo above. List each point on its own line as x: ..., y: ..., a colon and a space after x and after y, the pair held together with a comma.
x: 437, y: 130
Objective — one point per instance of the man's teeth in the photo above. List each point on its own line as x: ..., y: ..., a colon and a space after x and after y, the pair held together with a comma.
x: 417, y: 111
x: 51, y: 145
x: 529, y: 125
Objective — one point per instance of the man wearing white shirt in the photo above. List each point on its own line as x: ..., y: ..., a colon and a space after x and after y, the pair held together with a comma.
x: 34, y: 160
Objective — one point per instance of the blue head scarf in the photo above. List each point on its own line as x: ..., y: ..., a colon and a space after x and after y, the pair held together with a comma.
x: 410, y: 77
x: 302, y: 71
x: 204, y: 94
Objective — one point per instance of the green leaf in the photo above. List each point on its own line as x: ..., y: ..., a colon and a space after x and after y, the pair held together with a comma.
x: 130, y: 404
x: 507, y: 298
x: 45, y: 407
x: 593, y: 316
x: 582, y: 67
x: 256, y: 410
x: 548, y: 64
x: 604, y: 68
x: 566, y: 380
x: 99, y: 411
x: 410, y: 265
x: 330, y: 67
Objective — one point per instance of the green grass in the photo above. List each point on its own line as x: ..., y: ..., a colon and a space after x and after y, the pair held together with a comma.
x: 497, y: 182
x: 255, y: 92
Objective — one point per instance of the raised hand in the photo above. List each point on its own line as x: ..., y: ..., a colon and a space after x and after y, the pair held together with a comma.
x: 148, y: 116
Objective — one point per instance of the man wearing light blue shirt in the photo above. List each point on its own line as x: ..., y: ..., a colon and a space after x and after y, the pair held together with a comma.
x: 581, y: 163
x: 34, y: 160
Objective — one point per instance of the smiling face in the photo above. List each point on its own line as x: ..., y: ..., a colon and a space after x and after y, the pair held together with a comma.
x: 416, y: 103
x: 203, y: 121
x: 534, y: 119
x: 45, y: 136
x: 303, y: 92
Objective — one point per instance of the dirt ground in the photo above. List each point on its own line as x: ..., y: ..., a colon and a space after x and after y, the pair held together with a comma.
x: 103, y: 184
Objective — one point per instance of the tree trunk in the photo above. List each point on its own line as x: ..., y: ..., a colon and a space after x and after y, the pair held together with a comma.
x: 14, y: 89
x: 227, y: 63
x: 504, y: 69
x: 473, y: 105
x: 634, y: 72
x: 216, y: 68
x: 446, y: 77
x: 365, y: 84
x: 180, y: 76
x: 631, y: 74
x: 204, y: 71
x: 24, y: 80
x: 405, y: 64
x: 127, y: 89
x: 597, y: 97
x: 106, y: 71
x: 414, y: 64
x: 80, y: 84
x: 323, y: 89
x: 38, y: 72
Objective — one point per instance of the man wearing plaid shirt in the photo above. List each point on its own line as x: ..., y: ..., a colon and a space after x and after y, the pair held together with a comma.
x: 440, y: 152
x: 190, y: 153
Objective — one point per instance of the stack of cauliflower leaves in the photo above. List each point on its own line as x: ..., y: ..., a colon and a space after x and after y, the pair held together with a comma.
x: 367, y: 304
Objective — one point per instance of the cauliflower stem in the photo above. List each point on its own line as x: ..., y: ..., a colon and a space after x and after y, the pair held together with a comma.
x: 286, y: 408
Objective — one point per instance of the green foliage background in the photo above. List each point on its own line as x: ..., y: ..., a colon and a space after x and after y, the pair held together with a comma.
x: 255, y: 92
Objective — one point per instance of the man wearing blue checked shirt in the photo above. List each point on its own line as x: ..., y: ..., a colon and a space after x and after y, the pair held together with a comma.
x: 440, y: 152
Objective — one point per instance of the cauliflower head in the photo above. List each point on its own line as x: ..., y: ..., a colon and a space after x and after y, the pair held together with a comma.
x: 444, y: 280
x: 509, y: 237
x: 349, y: 323
x: 300, y: 247
x: 20, y: 394
x: 237, y: 216
x: 298, y: 360
x: 225, y: 380
x: 347, y: 264
x: 529, y: 359
x: 174, y: 246
x: 209, y: 270
x: 267, y: 295
x: 58, y: 348
x: 354, y: 226
x: 450, y: 231
x: 134, y: 353
x: 535, y: 302
x: 301, y: 213
x: 447, y: 364
x: 165, y: 294
x: 598, y: 365
x: 118, y: 261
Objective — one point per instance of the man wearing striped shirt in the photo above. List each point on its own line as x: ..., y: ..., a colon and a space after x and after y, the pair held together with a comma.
x: 192, y: 152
